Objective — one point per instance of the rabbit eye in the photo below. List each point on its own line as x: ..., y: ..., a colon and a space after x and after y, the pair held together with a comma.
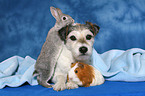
x: 64, y: 18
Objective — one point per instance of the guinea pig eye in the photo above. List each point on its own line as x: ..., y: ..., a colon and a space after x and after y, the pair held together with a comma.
x: 76, y: 71
x: 64, y: 18
x: 73, y: 38
x: 88, y: 37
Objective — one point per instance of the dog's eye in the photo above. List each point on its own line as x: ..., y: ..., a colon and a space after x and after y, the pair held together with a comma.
x: 76, y: 71
x: 88, y: 37
x: 73, y: 38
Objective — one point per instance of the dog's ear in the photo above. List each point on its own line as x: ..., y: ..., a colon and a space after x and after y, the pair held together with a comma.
x: 63, y: 32
x: 93, y: 27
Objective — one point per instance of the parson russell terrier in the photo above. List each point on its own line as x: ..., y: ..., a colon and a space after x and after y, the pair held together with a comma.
x: 77, y: 47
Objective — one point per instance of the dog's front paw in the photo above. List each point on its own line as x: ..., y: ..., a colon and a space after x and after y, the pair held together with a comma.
x: 59, y: 86
x: 71, y: 85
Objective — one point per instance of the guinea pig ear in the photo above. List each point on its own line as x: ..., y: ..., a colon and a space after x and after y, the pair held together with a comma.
x: 81, y: 65
x: 93, y: 27
x: 63, y: 32
x: 72, y: 64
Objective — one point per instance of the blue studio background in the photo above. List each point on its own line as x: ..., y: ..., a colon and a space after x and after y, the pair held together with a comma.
x: 24, y: 25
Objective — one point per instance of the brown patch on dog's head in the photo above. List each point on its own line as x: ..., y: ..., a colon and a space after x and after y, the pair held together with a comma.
x: 85, y: 73
x: 64, y: 32
x: 93, y: 27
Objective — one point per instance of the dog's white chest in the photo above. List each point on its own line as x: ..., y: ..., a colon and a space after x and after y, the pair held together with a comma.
x: 65, y: 60
x: 63, y: 64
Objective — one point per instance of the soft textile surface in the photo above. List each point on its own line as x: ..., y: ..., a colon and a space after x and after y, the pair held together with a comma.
x: 16, y: 70
x: 107, y: 89
x: 115, y: 65
x: 24, y: 24
x: 119, y: 65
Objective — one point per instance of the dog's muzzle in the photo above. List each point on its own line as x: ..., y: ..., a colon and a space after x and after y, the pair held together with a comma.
x: 83, y: 49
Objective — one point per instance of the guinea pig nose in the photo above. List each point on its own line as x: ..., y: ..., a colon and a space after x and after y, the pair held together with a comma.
x: 83, y: 49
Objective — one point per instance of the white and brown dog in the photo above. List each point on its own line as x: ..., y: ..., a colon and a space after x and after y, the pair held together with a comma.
x: 78, y: 44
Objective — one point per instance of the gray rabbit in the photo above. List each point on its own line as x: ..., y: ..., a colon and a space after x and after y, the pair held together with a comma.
x: 51, y: 49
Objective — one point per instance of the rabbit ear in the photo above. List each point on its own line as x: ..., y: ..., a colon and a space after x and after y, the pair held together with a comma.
x: 55, y: 13
x: 59, y: 11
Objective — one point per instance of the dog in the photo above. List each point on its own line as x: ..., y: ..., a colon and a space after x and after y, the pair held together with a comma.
x: 77, y: 47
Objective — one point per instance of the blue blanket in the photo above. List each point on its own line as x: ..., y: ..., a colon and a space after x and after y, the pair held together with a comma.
x: 119, y: 65
x: 16, y: 70
x: 115, y: 65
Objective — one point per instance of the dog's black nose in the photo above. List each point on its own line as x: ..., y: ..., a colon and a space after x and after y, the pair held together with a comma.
x: 83, y: 49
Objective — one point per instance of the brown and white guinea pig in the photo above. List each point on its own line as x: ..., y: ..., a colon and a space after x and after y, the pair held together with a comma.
x: 85, y: 75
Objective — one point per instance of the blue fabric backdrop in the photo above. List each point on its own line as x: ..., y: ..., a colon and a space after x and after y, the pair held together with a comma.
x: 24, y: 25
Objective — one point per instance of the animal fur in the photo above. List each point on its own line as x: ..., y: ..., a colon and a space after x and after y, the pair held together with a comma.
x: 84, y: 75
x: 51, y: 49
x: 77, y: 46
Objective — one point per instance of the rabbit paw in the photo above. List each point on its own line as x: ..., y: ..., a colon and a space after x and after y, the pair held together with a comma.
x: 71, y: 85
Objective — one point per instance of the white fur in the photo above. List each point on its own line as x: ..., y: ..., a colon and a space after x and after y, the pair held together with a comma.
x: 73, y: 77
x: 99, y: 79
x: 71, y: 85
x: 71, y: 54
x: 74, y: 46
x: 62, y: 68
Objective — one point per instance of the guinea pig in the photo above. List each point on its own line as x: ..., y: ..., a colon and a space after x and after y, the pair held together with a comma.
x: 85, y: 75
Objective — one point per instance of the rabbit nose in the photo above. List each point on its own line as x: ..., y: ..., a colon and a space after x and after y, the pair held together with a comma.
x: 72, y: 20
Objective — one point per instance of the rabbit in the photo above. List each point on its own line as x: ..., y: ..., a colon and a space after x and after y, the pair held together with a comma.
x: 85, y: 75
x: 51, y: 49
